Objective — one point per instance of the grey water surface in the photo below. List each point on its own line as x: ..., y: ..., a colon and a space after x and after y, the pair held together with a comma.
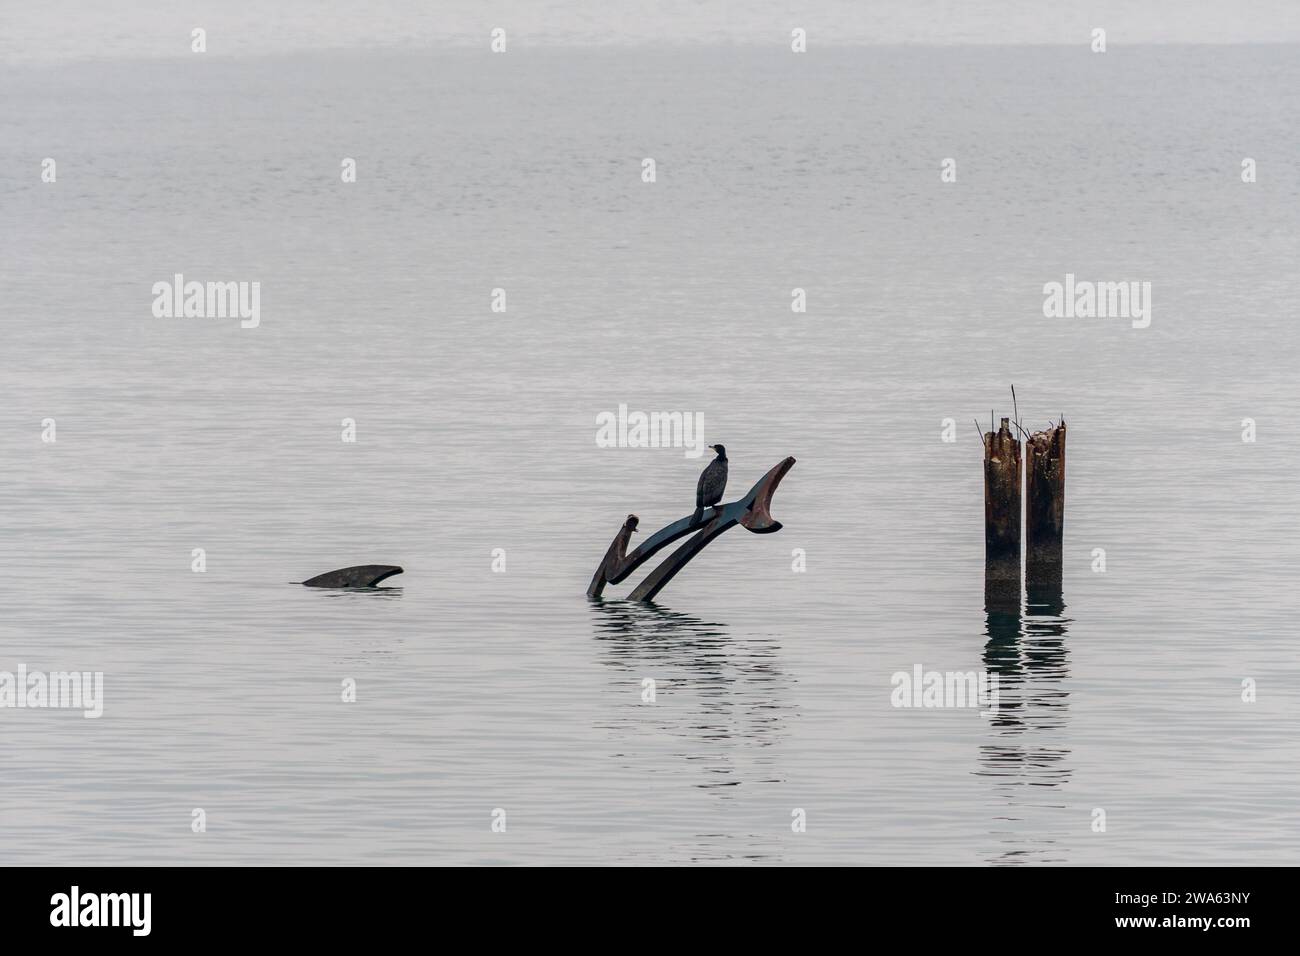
x: 478, y: 689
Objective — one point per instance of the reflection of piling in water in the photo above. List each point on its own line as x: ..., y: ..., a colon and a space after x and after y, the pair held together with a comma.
x: 1002, y: 504
x: 1002, y: 598
x: 1044, y: 596
x: 1044, y: 506
x: 1026, y: 650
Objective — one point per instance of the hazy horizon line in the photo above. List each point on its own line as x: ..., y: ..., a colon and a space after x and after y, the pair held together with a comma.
x: 13, y: 58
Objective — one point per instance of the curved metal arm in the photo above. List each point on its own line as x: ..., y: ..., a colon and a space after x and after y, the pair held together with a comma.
x: 752, y: 512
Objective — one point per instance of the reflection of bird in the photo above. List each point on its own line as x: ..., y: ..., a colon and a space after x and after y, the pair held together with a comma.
x: 713, y: 482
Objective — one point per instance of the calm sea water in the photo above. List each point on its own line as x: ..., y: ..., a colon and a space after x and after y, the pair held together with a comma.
x: 479, y: 690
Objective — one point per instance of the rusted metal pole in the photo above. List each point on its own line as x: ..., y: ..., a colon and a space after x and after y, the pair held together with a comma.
x: 1002, y: 505
x: 1044, y: 506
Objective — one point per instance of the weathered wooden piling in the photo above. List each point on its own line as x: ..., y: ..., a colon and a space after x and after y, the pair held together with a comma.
x: 1044, y: 506
x: 1002, y: 505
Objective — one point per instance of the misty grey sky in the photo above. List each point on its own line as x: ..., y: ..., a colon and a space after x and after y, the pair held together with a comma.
x: 60, y: 29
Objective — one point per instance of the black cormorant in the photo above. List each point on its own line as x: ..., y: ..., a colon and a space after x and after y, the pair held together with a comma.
x: 713, y: 482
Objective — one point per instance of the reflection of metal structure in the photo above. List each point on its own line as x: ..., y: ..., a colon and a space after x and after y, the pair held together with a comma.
x: 750, y: 512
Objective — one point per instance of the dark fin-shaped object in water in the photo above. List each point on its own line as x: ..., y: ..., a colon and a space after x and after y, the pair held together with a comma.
x: 362, y: 576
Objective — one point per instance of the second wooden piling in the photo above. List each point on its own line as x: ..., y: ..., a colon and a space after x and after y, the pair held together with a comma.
x: 1044, y: 505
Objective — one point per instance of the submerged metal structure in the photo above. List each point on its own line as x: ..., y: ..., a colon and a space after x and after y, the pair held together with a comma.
x: 361, y: 576
x: 751, y: 512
